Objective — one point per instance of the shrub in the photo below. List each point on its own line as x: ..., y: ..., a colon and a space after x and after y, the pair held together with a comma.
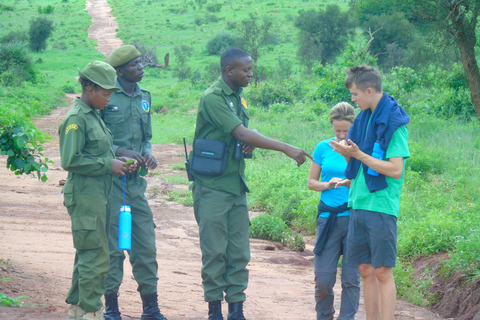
x: 426, y: 159
x: 269, y: 227
x: 211, y: 17
x: 14, y: 36
x: 46, y: 10
x: 214, y: 7
x: 220, y: 42
x: 198, y: 21
x: 15, y: 64
x: 40, y: 30
x: 267, y: 94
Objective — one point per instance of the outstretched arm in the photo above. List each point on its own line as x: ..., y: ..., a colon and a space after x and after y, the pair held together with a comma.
x: 255, y: 139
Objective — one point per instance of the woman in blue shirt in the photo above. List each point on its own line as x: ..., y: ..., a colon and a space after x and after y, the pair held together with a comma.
x: 326, y: 172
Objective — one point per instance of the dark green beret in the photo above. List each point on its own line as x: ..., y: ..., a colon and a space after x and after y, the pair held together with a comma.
x: 122, y: 55
x: 100, y: 73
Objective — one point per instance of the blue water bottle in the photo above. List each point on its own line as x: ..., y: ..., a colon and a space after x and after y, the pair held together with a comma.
x: 376, y: 153
x: 125, y: 228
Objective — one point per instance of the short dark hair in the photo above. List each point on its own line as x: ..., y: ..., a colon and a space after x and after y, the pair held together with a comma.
x: 363, y: 77
x: 87, y: 83
x: 230, y: 56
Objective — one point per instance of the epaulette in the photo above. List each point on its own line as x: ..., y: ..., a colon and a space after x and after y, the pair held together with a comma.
x: 217, y: 90
x: 143, y: 89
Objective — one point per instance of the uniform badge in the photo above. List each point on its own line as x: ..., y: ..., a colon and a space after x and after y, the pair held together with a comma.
x: 244, y: 103
x: 145, y: 106
x: 70, y: 127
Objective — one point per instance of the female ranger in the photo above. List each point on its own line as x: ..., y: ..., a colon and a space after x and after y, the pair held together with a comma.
x: 86, y: 153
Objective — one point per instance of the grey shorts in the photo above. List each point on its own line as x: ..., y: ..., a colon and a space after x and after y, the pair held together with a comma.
x: 372, y: 238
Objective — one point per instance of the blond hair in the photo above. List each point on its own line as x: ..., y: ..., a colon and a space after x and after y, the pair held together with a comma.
x: 342, y: 111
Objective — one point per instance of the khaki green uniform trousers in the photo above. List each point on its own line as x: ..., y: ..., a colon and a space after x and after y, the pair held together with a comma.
x: 143, y: 254
x: 86, y: 199
x: 223, y: 223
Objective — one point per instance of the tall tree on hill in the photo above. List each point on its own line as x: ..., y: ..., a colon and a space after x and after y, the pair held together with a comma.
x: 254, y: 35
x: 456, y: 20
x: 323, y: 34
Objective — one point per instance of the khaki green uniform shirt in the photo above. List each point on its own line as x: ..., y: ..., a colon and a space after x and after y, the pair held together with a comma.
x: 217, y: 118
x: 85, y: 142
x: 129, y: 118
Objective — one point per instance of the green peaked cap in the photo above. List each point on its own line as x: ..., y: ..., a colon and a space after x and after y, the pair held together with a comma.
x: 100, y: 73
x: 122, y: 55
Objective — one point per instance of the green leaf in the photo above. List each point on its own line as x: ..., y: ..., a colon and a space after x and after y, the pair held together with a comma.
x: 44, y: 178
x: 143, y: 171
x: 27, y: 168
x: 19, y: 143
x: 10, y: 153
x: 126, y: 162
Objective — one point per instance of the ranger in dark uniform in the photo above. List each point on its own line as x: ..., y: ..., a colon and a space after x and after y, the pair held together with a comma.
x: 128, y: 116
x: 220, y: 203
x: 86, y: 153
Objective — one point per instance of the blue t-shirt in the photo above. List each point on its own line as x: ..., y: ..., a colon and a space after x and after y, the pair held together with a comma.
x: 333, y: 166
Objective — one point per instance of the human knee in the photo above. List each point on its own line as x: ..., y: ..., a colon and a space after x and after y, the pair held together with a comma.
x: 366, y: 270
x: 384, y: 274
x: 324, y: 283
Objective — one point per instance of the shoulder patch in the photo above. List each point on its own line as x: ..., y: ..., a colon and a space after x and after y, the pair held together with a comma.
x: 145, y: 106
x: 70, y: 127
x: 244, y: 103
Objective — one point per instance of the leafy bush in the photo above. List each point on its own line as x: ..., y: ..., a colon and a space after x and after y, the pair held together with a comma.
x: 16, y: 65
x: 210, y: 17
x: 46, y: 10
x: 20, y: 143
x: 268, y: 93
x: 220, y: 42
x: 466, y: 256
x: 214, y: 7
x: 40, y: 30
x: 269, y: 227
x: 14, y: 36
x: 330, y: 84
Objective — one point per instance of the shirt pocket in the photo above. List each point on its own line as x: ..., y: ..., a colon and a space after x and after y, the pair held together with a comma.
x: 85, y: 233
x: 114, y: 122
x: 98, y: 142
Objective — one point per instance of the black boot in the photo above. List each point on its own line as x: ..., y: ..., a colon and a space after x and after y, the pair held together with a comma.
x: 235, y: 311
x: 215, y: 310
x: 111, y: 307
x: 150, y: 308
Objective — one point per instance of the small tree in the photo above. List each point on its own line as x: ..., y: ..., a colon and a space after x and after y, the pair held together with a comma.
x: 220, y: 42
x: 40, y: 30
x: 254, y: 35
x: 323, y: 34
x: 182, y: 53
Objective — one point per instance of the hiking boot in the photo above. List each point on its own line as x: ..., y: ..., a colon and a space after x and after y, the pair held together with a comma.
x: 97, y: 315
x: 111, y: 307
x: 215, y: 310
x: 75, y: 312
x: 235, y: 311
x: 150, y: 308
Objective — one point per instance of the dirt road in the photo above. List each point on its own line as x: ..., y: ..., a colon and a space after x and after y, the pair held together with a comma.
x: 37, y: 251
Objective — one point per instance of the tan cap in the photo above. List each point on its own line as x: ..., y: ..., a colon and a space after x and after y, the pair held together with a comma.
x: 100, y: 73
x: 122, y: 55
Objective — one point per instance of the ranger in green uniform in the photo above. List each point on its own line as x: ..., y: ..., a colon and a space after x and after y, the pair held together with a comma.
x: 87, y: 154
x: 128, y: 117
x: 220, y: 203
